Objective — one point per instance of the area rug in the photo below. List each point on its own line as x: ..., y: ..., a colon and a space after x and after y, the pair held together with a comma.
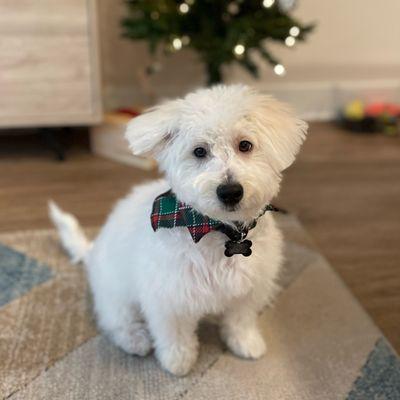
x: 321, y: 344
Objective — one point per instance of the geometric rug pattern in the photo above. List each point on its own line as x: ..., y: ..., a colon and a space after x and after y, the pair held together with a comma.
x: 19, y: 274
x: 380, y: 376
x: 321, y: 343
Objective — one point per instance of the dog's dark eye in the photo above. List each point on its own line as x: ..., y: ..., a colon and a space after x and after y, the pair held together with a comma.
x: 200, y: 152
x: 245, y: 146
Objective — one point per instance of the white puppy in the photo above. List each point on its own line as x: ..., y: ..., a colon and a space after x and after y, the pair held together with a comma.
x: 222, y: 151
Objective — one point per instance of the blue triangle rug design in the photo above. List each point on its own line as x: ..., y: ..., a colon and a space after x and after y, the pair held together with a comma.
x: 380, y: 376
x: 19, y: 274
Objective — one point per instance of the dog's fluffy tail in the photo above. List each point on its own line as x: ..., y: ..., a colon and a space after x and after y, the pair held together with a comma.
x: 73, y: 239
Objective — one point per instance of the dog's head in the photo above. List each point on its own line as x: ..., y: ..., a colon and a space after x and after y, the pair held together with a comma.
x: 222, y: 149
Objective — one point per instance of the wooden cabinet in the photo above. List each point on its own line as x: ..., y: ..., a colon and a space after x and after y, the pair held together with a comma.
x: 49, y: 65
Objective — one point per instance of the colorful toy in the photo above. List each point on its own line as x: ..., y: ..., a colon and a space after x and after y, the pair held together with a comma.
x: 373, y: 117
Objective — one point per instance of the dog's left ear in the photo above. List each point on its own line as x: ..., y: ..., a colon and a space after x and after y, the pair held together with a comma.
x: 283, y: 131
x: 147, y: 132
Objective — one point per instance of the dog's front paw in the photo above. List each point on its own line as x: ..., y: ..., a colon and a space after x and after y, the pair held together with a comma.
x: 133, y: 340
x: 247, y: 344
x: 177, y: 359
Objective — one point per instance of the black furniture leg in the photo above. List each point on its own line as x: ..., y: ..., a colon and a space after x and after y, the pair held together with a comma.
x: 52, y: 140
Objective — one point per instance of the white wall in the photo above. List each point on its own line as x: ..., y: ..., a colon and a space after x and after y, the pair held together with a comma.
x: 354, y: 51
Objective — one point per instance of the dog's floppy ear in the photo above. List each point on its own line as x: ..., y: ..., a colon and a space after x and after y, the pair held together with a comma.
x: 283, y: 131
x: 147, y: 132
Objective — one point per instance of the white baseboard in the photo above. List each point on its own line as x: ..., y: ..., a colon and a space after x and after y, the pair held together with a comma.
x: 323, y: 100
x: 313, y: 100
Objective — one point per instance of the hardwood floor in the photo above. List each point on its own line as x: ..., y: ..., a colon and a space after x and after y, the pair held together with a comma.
x: 344, y: 187
x: 346, y: 190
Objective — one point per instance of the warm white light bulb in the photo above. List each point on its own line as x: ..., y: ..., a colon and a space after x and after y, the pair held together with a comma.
x: 290, y: 41
x: 279, y: 69
x: 183, y: 8
x: 233, y: 8
x: 185, y: 40
x: 177, y: 44
x: 268, y: 3
x: 294, y: 31
x: 239, y: 49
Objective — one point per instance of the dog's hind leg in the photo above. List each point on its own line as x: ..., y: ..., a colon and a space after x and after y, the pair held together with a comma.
x: 125, y: 326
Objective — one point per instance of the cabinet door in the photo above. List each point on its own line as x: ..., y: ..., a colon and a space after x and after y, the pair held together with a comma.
x: 48, y: 63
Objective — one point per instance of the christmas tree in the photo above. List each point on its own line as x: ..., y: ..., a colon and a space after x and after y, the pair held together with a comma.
x: 220, y: 31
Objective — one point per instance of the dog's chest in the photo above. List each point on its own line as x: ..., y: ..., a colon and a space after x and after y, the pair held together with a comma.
x: 205, y: 278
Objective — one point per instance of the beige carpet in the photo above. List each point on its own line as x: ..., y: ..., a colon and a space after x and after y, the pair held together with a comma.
x: 321, y: 344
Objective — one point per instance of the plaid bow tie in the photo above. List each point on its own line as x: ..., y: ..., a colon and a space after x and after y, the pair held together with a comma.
x: 169, y: 212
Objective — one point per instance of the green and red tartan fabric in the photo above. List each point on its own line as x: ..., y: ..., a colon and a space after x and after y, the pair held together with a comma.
x: 169, y: 212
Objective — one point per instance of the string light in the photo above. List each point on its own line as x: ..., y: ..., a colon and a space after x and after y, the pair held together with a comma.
x: 239, y: 49
x: 279, y: 69
x: 185, y: 40
x: 233, y: 8
x: 184, y: 8
x: 177, y: 44
x: 290, y: 41
x: 268, y: 3
x: 294, y: 31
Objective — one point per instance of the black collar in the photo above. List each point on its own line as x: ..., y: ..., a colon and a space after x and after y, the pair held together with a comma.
x: 237, y: 243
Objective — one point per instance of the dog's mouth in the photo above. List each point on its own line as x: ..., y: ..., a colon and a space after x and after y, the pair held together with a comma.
x: 231, y: 207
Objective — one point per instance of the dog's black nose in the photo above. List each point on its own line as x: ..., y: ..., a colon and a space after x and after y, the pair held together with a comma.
x: 230, y: 193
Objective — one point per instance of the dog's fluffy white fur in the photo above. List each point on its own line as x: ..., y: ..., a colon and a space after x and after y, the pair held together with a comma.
x: 151, y: 288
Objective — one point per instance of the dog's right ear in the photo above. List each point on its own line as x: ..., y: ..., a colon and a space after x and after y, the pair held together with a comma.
x: 147, y: 132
